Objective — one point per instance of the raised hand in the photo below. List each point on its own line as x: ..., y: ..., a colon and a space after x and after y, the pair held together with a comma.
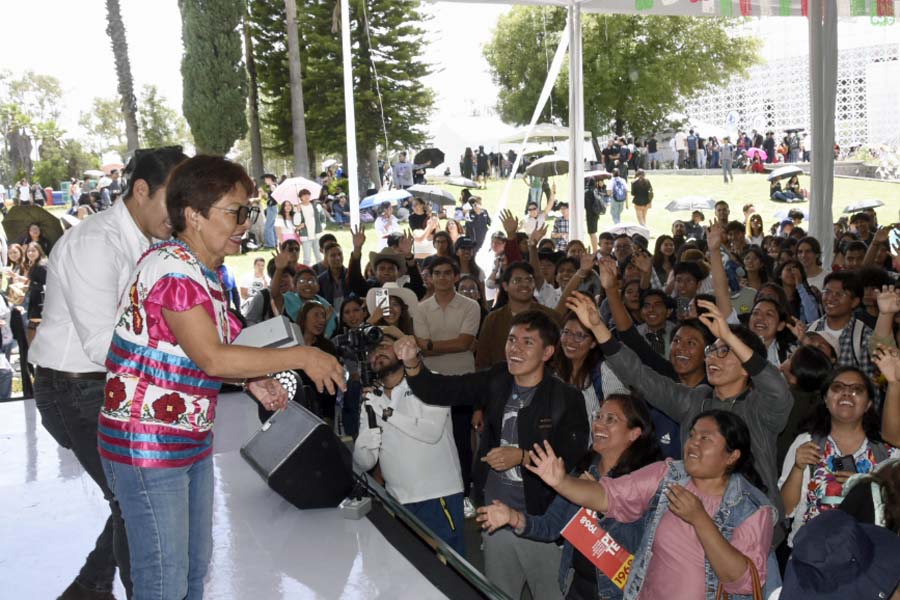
x: 609, y: 274
x: 714, y: 235
x: 546, y: 465
x: 537, y: 235
x: 407, y: 350
x: 888, y: 361
x: 494, y: 516
x: 714, y: 319
x: 882, y: 235
x: 797, y: 327
x: 510, y: 224
x: 405, y: 244
x: 585, y: 309
x: 642, y: 261
x: 283, y: 259
x: 359, y: 238
x: 586, y: 264
x: 888, y: 300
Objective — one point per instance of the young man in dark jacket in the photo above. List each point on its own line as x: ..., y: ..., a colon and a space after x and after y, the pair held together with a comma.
x: 524, y: 404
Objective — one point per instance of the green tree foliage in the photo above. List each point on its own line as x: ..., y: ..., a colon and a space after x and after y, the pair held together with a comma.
x: 395, y: 42
x: 62, y: 160
x: 215, y: 82
x: 637, y: 69
x: 161, y: 125
x: 104, y: 126
x: 29, y: 110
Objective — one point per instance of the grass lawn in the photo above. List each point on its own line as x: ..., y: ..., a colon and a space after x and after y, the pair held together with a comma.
x: 745, y: 189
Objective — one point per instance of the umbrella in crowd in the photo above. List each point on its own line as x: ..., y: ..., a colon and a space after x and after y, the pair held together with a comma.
x: 392, y: 196
x: 288, y: 189
x: 329, y: 163
x: 19, y: 218
x: 542, y: 132
x: 863, y: 204
x: 432, y: 193
x: 95, y: 173
x: 598, y: 174
x: 462, y: 182
x: 757, y: 152
x: 788, y: 171
x: 537, y: 152
x: 629, y: 229
x: 432, y: 156
x: 548, y: 166
x: 691, y: 203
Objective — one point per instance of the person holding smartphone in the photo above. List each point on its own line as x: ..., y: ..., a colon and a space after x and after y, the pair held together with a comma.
x: 843, y: 436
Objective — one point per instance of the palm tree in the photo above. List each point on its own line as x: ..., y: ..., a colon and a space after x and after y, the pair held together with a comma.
x: 301, y: 152
x: 115, y: 29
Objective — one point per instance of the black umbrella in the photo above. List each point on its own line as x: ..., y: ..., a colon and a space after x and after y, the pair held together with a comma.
x: 429, y: 155
x: 19, y: 218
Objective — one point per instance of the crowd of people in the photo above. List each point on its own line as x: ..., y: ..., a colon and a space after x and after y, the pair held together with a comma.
x: 714, y: 399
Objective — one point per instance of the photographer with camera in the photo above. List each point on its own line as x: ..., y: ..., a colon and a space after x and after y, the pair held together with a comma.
x: 413, y: 443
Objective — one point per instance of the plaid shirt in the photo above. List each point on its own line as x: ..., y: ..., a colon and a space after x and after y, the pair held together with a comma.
x: 561, y: 225
x: 848, y: 353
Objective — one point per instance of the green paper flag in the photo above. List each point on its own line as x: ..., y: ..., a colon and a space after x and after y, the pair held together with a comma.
x: 857, y: 8
x: 785, y: 8
x: 726, y: 9
x: 643, y: 4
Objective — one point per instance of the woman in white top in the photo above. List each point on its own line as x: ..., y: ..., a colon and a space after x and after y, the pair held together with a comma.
x: 844, y: 436
x: 755, y: 231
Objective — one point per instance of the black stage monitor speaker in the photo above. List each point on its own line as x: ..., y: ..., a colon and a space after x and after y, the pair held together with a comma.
x: 301, y: 458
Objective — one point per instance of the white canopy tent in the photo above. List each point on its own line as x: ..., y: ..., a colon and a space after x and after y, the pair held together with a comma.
x: 822, y: 18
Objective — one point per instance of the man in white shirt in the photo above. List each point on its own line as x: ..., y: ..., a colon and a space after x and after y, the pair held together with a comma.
x: 413, y: 444
x: 386, y: 224
x: 86, y: 275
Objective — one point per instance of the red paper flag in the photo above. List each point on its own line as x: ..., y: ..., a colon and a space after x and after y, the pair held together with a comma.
x: 598, y: 546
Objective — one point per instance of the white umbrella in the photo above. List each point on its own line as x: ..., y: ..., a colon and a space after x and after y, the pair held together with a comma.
x: 287, y: 191
x: 329, y: 163
x: 863, y: 204
x: 788, y: 171
x: 542, y: 132
x: 461, y: 182
x: 94, y: 173
x: 629, y: 229
x: 548, y: 166
x: 432, y: 193
x: 691, y: 203
x: 598, y: 174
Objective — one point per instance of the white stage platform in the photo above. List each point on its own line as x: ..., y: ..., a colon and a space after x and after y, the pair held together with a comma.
x: 264, y: 548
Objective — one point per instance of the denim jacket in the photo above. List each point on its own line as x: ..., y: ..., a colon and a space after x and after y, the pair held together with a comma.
x: 548, y: 526
x: 741, y: 499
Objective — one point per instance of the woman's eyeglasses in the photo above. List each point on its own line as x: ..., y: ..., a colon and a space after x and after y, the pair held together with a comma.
x: 242, y: 213
x: 578, y: 336
x: 719, y: 351
x: 854, y: 389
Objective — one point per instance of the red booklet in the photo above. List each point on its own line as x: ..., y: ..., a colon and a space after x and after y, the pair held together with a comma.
x: 598, y: 546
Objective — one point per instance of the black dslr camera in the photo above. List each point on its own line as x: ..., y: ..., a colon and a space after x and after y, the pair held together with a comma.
x: 355, y: 345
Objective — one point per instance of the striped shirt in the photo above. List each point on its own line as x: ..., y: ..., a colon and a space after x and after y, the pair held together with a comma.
x: 159, y: 405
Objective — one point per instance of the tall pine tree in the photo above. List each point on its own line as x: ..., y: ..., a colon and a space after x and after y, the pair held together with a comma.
x: 395, y: 42
x: 215, y: 82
